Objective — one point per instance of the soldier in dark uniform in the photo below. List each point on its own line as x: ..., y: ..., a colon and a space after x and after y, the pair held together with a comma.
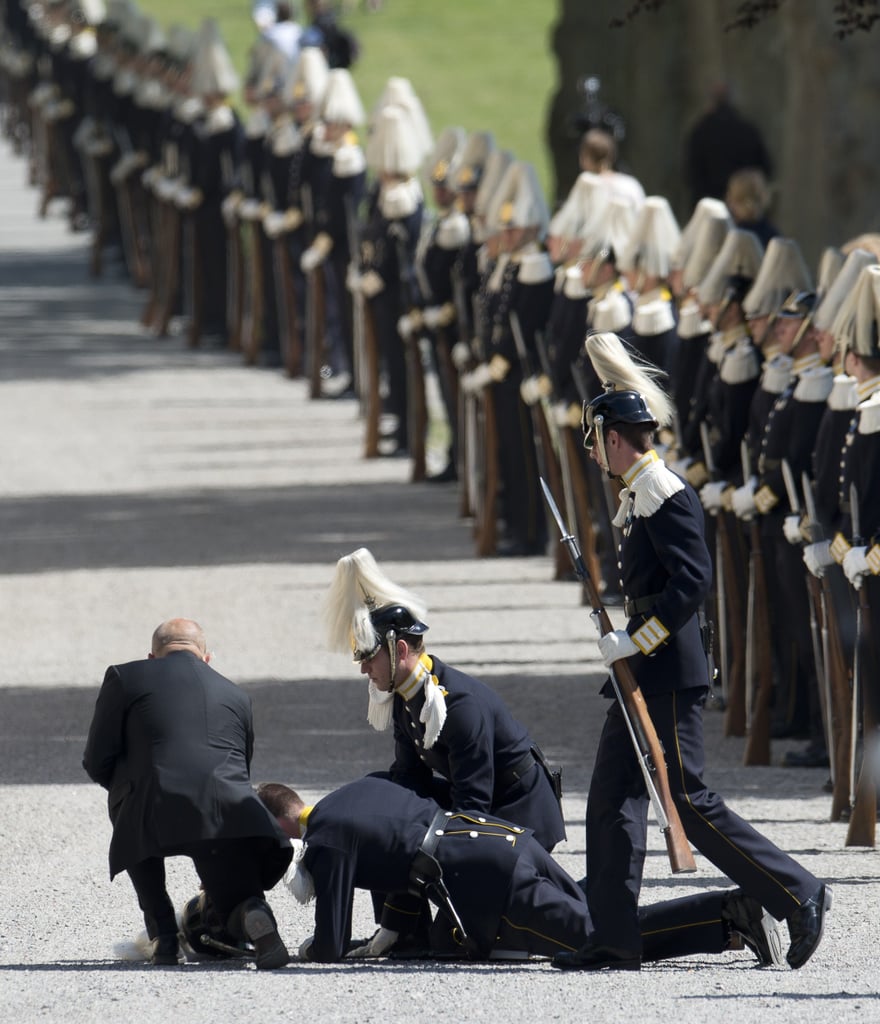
x: 217, y: 147
x: 437, y: 256
x: 647, y: 262
x: 398, y: 143
x: 337, y: 202
x: 487, y: 876
x: 521, y: 285
x: 666, y: 575
x: 454, y: 738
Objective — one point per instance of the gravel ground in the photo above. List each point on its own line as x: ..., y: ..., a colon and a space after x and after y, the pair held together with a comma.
x: 142, y: 480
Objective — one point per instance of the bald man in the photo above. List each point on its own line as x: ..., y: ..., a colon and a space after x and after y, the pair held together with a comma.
x: 171, y: 740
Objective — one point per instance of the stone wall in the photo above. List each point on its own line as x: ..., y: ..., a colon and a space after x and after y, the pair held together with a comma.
x: 815, y: 99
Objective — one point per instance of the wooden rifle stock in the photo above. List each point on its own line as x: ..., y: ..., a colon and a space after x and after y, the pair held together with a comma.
x: 288, y: 314
x: 649, y: 750
x: 372, y: 399
x: 486, y: 517
x: 863, y: 817
x: 757, y: 749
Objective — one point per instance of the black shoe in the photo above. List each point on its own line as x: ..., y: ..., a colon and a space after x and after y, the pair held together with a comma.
x: 592, y: 957
x: 259, y: 928
x: 758, y: 929
x: 519, y: 549
x: 809, y: 757
x: 446, y: 476
x: 166, y: 952
x: 805, y: 927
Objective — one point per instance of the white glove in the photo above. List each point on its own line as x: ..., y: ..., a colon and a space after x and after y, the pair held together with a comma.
x: 273, y: 224
x: 306, y: 948
x: 378, y: 945
x: 353, y: 279
x: 461, y: 355
x: 432, y: 317
x: 474, y: 381
x: 188, y: 198
x: 310, y: 259
x: 744, y: 500
x: 229, y: 208
x: 371, y: 284
x: 791, y: 527
x: 710, y: 495
x: 408, y: 324
x: 530, y: 390
x: 616, y: 645
x: 817, y: 557
x: 855, y: 565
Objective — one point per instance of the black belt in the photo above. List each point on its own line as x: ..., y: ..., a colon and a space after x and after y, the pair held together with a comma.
x: 638, y: 605
x: 435, y: 831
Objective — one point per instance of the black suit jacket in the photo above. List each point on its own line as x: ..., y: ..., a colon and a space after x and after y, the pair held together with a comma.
x: 171, y: 740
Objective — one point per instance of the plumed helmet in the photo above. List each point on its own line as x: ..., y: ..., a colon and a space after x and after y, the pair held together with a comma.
x: 364, y: 608
x: 614, y: 407
x: 198, y: 922
x: 390, y: 622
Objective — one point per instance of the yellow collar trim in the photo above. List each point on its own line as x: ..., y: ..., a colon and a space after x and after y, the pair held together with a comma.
x: 417, y: 678
x: 637, y: 468
x: 304, y: 817
x: 867, y: 388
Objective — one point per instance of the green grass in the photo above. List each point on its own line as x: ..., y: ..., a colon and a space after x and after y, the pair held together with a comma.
x: 481, y: 64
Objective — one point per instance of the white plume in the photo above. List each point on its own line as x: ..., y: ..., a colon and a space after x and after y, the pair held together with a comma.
x: 615, y: 364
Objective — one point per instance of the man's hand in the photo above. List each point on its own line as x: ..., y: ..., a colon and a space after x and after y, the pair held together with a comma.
x: 616, y: 645
x: 817, y: 557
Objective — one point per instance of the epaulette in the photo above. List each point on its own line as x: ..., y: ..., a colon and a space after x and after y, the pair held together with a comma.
x: 190, y: 110
x: 286, y: 139
x: 574, y: 287
x: 740, y: 364
x: 843, y: 394
x: 869, y: 415
x: 535, y: 268
x: 401, y: 199
x: 814, y: 384
x: 690, y: 321
x: 653, y: 314
x: 220, y: 119
x: 348, y: 160
x: 257, y: 124
x: 611, y: 313
x: 453, y: 231
x: 776, y: 375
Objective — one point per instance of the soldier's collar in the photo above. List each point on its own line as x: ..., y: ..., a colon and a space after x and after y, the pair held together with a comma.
x: 304, y: 815
x: 638, y: 467
x: 866, y: 388
x: 416, y: 679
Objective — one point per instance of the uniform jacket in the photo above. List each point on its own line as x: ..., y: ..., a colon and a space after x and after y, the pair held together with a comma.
x: 664, y: 558
x: 479, y: 744
x: 171, y: 740
x: 365, y: 836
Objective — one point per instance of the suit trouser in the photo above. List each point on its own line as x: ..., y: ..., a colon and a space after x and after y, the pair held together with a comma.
x: 617, y: 811
x: 230, y: 870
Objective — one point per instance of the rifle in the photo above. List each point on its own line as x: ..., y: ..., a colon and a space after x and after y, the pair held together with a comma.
x: 288, y: 315
x: 254, y: 292
x: 485, y: 457
x: 759, y: 664
x: 648, y: 749
x: 730, y: 610
x: 545, y: 455
x: 818, y: 626
x: 465, y: 405
x: 836, y: 672
x: 417, y: 413
x: 863, y: 817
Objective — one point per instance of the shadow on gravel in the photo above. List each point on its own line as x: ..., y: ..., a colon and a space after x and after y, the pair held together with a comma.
x: 227, y: 527
x: 312, y: 735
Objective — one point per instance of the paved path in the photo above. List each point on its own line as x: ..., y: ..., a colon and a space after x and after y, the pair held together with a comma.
x: 140, y: 480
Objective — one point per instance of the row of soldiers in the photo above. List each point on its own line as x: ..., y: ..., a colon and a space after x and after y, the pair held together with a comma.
x: 457, y: 320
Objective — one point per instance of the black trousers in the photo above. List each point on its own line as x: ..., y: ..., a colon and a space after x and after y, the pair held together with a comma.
x: 230, y: 870
x: 617, y: 812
